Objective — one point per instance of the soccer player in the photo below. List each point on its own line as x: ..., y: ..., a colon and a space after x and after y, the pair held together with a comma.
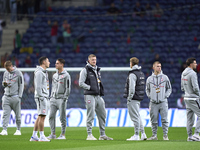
x: 134, y: 92
x: 158, y: 89
x: 41, y: 83
x: 13, y: 83
x: 90, y: 81
x: 189, y: 84
x: 61, y: 86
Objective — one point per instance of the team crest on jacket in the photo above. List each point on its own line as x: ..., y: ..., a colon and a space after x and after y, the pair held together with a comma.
x: 89, y: 101
x: 44, y: 111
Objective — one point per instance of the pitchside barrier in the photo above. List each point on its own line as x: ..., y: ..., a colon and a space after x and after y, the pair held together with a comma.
x: 117, y: 115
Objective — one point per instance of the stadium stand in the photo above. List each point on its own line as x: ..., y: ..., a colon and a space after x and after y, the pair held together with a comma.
x: 114, y: 39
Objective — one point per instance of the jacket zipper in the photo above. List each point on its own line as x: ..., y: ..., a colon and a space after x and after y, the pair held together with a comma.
x: 98, y: 84
x: 9, y: 80
x: 56, y: 90
x: 157, y: 85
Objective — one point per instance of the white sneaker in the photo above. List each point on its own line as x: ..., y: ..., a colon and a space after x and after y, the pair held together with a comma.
x: 44, y: 139
x: 91, y: 137
x: 193, y: 138
x: 105, y: 138
x: 153, y: 138
x: 51, y: 136
x: 4, y: 132
x: 18, y: 132
x: 143, y: 136
x: 134, y: 138
x: 165, y: 137
x: 34, y: 138
x: 196, y: 136
x: 61, y: 137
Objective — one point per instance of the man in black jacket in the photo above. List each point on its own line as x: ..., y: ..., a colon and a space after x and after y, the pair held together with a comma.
x: 90, y: 81
x: 134, y: 92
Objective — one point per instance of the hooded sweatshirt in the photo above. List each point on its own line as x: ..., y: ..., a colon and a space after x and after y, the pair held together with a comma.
x: 189, y: 84
x: 15, y: 81
x: 161, y: 82
x: 41, y: 83
x: 61, y: 85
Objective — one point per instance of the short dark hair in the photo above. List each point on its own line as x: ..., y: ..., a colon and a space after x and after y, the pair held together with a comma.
x: 62, y: 61
x: 41, y: 59
x: 190, y: 61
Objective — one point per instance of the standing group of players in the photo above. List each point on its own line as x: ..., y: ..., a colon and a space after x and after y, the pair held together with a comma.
x: 158, y: 89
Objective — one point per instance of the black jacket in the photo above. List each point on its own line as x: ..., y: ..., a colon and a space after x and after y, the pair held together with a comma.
x: 140, y: 85
x: 92, y: 81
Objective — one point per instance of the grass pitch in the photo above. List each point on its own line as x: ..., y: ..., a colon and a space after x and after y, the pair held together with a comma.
x: 76, y: 140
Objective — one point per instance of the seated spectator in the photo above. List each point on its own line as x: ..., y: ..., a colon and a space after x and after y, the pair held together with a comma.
x: 198, y: 68
x: 158, y: 12
x: 138, y: 10
x: 28, y: 61
x: 17, y: 40
x: 148, y: 10
x: 128, y: 39
x: 54, y: 31
x: 66, y: 32
x: 157, y: 58
x: 15, y: 61
x: 4, y: 58
x: 113, y: 9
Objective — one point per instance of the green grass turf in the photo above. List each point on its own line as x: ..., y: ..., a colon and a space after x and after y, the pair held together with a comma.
x: 76, y: 140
